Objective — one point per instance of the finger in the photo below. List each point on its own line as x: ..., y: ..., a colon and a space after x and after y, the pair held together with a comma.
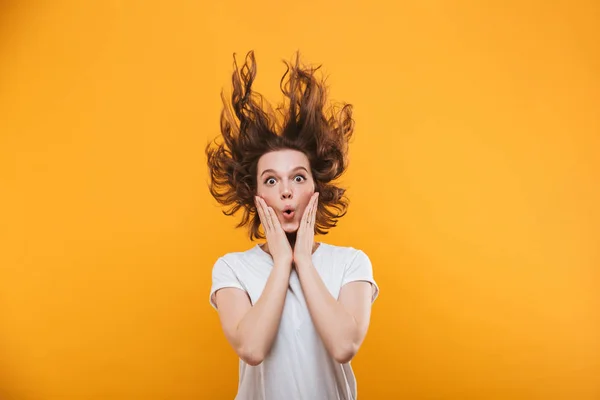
x: 273, y: 219
x: 305, y: 219
x: 301, y: 224
x: 315, y: 209
x: 260, y: 212
x: 306, y: 214
x: 268, y: 216
x: 311, y: 208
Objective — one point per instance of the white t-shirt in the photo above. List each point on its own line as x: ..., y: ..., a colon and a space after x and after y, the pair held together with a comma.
x: 298, y: 365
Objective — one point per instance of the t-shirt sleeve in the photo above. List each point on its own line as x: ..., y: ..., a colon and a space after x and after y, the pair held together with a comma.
x: 223, y: 276
x: 360, y: 269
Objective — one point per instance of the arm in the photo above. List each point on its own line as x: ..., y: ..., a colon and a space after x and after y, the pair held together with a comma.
x: 251, y: 329
x: 341, y: 324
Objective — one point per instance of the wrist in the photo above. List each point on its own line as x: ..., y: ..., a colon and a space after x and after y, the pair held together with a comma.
x: 283, y: 262
x: 303, y: 263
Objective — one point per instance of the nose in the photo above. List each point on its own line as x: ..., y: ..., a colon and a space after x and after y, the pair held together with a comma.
x: 286, y: 193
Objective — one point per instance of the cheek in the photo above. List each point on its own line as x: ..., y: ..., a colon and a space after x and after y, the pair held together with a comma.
x: 267, y: 197
x: 305, y: 197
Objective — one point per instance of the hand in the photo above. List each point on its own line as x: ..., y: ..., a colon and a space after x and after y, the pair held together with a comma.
x: 305, y: 237
x: 279, y: 245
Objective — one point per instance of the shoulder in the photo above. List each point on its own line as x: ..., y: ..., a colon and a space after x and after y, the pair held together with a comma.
x: 248, y: 264
x: 351, y: 264
x: 233, y: 268
x: 236, y: 257
x: 344, y: 254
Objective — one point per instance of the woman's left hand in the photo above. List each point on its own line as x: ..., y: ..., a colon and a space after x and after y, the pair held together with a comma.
x: 305, y: 237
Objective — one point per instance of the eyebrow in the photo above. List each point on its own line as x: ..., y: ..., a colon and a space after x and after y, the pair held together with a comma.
x: 273, y: 171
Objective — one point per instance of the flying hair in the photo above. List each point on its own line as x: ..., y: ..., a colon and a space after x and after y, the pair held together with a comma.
x: 303, y: 122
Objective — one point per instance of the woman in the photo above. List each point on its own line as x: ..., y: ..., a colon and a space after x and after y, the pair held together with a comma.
x: 294, y: 310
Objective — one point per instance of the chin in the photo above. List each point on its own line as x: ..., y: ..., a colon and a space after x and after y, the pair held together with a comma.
x: 291, y: 227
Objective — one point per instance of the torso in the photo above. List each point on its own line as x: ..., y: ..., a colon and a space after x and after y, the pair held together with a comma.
x: 298, y: 365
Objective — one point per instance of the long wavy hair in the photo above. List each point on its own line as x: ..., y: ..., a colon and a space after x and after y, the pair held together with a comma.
x: 250, y: 128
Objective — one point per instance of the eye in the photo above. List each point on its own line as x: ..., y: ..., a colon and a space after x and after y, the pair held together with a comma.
x: 302, y: 178
x: 270, y: 181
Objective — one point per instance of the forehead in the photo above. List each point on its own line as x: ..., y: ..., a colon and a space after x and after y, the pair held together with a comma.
x: 283, y: 161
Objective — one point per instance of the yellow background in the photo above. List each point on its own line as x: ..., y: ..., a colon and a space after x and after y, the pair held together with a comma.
x: 473, y: 181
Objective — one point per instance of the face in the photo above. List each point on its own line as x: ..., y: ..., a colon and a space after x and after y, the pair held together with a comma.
x: 286, y: 184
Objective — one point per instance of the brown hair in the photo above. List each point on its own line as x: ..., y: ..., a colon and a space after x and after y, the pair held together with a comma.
x: 250, y: 128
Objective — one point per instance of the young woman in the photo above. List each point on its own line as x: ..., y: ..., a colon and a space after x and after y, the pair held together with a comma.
x: 294, y: 310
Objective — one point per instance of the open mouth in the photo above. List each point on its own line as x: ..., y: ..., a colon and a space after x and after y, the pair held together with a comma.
x: 288, y: 213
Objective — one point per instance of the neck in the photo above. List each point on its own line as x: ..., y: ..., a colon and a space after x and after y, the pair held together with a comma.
x: 291, y: 238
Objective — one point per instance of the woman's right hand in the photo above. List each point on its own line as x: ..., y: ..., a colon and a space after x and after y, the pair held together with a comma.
x: 279, y: 245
